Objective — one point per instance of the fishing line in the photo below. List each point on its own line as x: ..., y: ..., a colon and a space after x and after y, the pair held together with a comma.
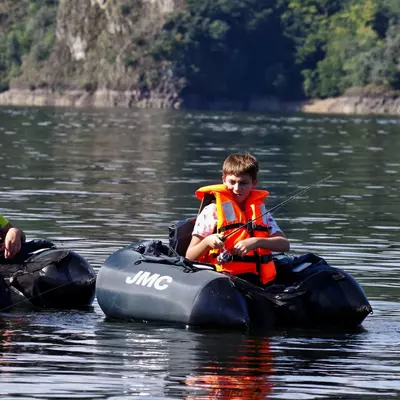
x: 275, y: 208
x: 278, y: 206
x: 225, y: 256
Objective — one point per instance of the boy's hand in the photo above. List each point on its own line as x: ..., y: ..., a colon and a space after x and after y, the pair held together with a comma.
x: 12, y: 243
x: 214, y: 241
x: 244, y: 246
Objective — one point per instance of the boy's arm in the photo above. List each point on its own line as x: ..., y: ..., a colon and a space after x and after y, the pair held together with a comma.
x: 276, y: 242
x: 198, y: 245
x: 203, y: 238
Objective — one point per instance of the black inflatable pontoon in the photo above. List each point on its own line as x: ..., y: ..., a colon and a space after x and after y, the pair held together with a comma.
x: 143, y: 282
x: 46, y: 277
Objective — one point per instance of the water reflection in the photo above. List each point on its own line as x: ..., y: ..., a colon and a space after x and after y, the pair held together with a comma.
x: 241, y: 368
x: 191, y: 364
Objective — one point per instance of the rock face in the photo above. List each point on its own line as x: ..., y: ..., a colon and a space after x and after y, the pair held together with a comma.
x: 106, y: 29
x: 358, y: 105
x: 101, y: 47
x: 379, y: 104
x: 81, y: 98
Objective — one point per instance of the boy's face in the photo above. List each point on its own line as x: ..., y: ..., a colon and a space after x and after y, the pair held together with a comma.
x: 240, y: 186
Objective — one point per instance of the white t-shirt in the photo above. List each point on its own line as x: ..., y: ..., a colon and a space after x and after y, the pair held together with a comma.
x: 207, y: 220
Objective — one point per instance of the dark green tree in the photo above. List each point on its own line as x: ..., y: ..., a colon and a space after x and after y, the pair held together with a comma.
x: 230, y: 48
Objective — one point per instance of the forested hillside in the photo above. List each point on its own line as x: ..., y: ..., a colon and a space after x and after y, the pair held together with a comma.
x: 230, y: 49
x: 27, y: 35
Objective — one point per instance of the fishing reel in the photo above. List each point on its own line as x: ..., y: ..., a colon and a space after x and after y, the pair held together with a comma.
x: 224, y: 257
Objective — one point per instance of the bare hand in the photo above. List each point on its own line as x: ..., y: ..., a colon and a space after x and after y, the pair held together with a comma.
x: 214, y: 241
x: 244, y: 246
x: 12, y: 243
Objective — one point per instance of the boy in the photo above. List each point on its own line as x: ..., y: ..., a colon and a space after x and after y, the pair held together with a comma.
x: 236, y: 203
x: 11, y: 238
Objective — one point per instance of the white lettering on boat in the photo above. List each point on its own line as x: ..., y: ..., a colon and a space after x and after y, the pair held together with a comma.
x: 145, y: 278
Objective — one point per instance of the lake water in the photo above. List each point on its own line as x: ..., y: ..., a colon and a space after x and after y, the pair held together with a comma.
x: 95, y: 180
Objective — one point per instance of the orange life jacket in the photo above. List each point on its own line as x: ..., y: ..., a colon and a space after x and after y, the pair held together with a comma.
x: 231, y: 217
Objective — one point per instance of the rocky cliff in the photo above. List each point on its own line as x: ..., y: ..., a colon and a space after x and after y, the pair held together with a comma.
x: 101, y: 57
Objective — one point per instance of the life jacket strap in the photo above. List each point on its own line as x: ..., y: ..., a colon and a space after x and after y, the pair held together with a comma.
x: 228, y: 227
x: 260, y: 228
x: 264, y: 259
x: 252, y: 227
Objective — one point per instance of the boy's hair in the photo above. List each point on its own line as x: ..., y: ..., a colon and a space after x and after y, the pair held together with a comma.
x: 241, y: 163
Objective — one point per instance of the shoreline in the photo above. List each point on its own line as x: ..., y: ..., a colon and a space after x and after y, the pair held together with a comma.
x: 384, y: 105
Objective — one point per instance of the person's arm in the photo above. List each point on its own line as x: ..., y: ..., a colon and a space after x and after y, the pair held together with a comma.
x: 13, y: 239
x: 276, y: 241
x: 203, y: 238
x: 199, y: 245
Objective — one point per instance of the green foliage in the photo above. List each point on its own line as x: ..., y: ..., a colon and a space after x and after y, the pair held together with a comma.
x: 344, y: 44
x: 29, y: 32
x: 41, y: 50
x: 350, y: 37
x: 111, y: 56
x: 391, y: 7
x: 10, y: 58
x: 13, y: 52
x: 130, y: 61
x: 125, y: 10
x: 218, y: 30
x: 305, y: 23
x: 384, y: 61
x: 229, y: 48
x: 240, y: 48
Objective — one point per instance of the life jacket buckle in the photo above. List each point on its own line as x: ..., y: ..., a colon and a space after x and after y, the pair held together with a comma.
x: 250, y: 225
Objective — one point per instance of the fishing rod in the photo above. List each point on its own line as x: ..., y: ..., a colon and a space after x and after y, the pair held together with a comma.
x: 225, y: 256
x: 276, y: 207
